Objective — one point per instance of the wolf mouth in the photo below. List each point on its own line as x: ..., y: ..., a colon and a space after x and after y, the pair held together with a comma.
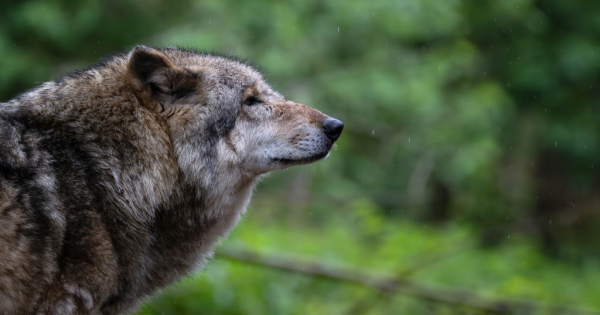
x: 305, y: 160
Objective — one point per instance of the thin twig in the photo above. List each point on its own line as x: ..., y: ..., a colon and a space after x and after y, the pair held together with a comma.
x: 391, y: 285
x: 361, y: 306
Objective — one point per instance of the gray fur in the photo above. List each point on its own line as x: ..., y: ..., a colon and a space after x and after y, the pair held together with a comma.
x: 117, y: 180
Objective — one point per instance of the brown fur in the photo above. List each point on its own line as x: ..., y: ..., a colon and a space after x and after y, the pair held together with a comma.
x: 117, y: 180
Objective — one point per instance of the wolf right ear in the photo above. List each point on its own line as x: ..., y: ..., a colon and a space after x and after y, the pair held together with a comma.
x: 155, y: 79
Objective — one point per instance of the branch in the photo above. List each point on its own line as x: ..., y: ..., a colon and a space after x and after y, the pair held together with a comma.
x: 392, y: 285
x: 361, y: 306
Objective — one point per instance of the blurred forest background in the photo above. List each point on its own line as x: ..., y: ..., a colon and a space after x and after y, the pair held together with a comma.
x: 466, y: 178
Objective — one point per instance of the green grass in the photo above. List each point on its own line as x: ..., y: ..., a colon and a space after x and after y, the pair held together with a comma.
x: 435, y: 256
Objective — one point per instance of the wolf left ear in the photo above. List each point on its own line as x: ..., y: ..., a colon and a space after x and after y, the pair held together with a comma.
x: 156, y: 81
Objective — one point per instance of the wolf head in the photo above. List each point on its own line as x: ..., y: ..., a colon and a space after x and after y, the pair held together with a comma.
x: 223, y: 117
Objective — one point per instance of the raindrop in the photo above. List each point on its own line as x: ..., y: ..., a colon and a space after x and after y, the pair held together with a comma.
x: 373, y: 131
x: 508, y: 237
x: 338, y: 29
x: 550, y: 222
x: 408, y: 139
x: 556, y: 144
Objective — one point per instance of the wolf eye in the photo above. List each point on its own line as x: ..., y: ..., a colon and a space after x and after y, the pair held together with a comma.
x: 252, y: 100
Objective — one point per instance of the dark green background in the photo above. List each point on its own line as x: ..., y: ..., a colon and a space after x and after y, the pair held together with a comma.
x: 469, y: 156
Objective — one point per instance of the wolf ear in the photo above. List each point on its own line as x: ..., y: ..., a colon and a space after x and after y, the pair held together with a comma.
x: 156, y: 81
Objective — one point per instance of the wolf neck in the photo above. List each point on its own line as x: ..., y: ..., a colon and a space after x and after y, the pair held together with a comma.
x: 224, y: 190
x: 216, y: 189
x: 226, y: 195
x: 188, y: 237
x: 225, y: 207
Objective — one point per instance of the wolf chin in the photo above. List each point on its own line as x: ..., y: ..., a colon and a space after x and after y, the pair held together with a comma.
x: 117, y: 180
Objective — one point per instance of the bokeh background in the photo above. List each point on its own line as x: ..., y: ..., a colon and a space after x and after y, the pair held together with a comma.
x: 465, y: 181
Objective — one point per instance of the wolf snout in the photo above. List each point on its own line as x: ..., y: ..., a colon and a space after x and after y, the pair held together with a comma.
x: 333, y: 128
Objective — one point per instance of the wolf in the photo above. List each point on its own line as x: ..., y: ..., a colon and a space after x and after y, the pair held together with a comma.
x: 118, y: 180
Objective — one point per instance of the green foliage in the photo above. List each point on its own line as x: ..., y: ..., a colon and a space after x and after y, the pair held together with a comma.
x: 467, y: 121
x: 440, y: 256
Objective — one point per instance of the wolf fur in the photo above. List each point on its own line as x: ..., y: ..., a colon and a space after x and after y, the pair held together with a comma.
x: 117, y: 180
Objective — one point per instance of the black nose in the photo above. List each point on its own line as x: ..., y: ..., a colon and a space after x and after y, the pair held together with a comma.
x: 333, y: 128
